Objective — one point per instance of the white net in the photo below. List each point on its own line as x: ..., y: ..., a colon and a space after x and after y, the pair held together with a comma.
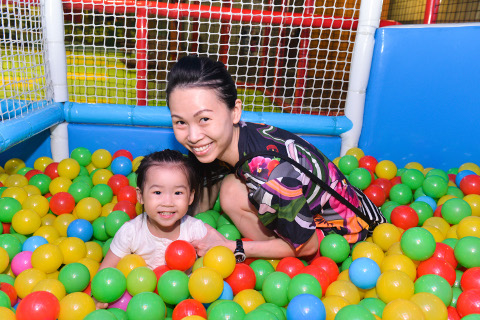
x: 23, y: 73
x: 286, y: 56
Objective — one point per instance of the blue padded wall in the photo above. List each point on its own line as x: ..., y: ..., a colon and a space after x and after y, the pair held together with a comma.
x: 29, y: 150
x: 423, y: 96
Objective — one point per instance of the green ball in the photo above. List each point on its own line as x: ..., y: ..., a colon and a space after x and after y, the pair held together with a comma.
x: 102, y: 193
x: 83, y: 172
x: 418, y: 193
x: 106, y: 246
x: 75, y: 277
x: 335, y: 247
x: 472, y: 316
x: 108, y: 285
x: 347, y: 163
x: 437, y: 172
x: 7, y: 279
x: 79, y: 190
x: 230, y: 232
x: 413, y: 178
x: 436, y: 285
x: 82, y: 155
x: 4, y: 300
x: 346, y: 264
x: 99, y: 229
x: 374, y: 305
x: 114, y: 221
x: 455, y: 294
x: 452, y: 171
x: 354, y: 312
x: 132, y: 179
x: 272, y: 308
x: 435, y: 186
x: 260, y: 314
x: 401, y: 194
x: 141, y: 279
x: 450, y: 242
x: 2, y: 189
x: 146, y: 306
x: 24, y: 170
x: 223, y: 219
x: 456, y: 192
x: 8, y: 208
x: 100, y: 314
x: 458, y: 278
x: 225, y: 309
x: 467, y: 251
x: 173, y: 286
x: 41, y: 181
x: 360, y: 178
x: 207, y: 218
x: 417, y: 243
x: 118, y: 313
x: 304, y: 283
x: 454, y: 210
x: 11, y: 244
x: 387, y: 211
x: 217, y: 206
x: 423, y: 210
x: 85, y: 179
x: 262, y: 269
x: 275, y: 288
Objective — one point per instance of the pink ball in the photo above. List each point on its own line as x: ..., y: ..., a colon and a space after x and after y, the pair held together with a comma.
x: 122, y: 302
x: 22, y: 261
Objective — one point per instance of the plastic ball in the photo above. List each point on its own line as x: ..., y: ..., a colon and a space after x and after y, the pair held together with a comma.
x: 26, y: 221
x: 121, y: 165
x: 101, y: 176
x: 306, y: 306
x: 10, y: 291
x: 142, y: 279
x: 418, y: 244
x: 42, y: 182
x: 130, y: 262
x: 364, y: 272
x: 347, y: 163
x: 303, y: 283
x: 368, y: 250
x: 50, y: 233
x: 401, y: 194
x: 386, y: 169
x: 360, y: 178
x: 47, y: 258
x: 328, y: 265
x: 88, y: 208
x: 229, y: 231
x: 354, y: 312
x: 94, y: 251
x: 436, y: 285
x: 368, y: 162
x: 439, y: 267
x: 101, y: 158
x: 8, y: 208
x: 333, y: 304
x: 467, y: 251
x: 320, y: 275
x: 404, y: 217
x: 68, y: 168
x: 41, y: 305
x: 108, y: 285
x: 435, y: 186
x: 345, y: 289
x: 180, y: 255
x: 385, y: 235
x: 474, y: 202
x: 21, y: 262
x: 188, y: 307
x: 225, y: 309
x: 82, y: 155
x: 249, y: 299
x: 454, y: 210
x: 205, y: 285
x: 227, y: 292
x: 290, y: 266
x: 115, y: 220
x: 80, y: 228
x: 376, y: 194
x: 173, y: 286
x: 399, y: 262
x: 62, y: 222
x: 469, y: 226
x: 275, y: 288
x: 53, y: 286
x: 402, y: 309
x: 75, y: 277
x: 26, y: 281
x: 117, y: 182
x: 11, y: 244
x: 59, y: 184
x: 432, y: 307
x: 76, y: 305
x: 73, y: 249
x: 127, y: 207
x: 242, y: 278
x: 394, y: 284
x: 468, y: 302
x: 220, y: 259
x: 146, y: 305
x: 262, y: 269
x: 102, y: 192
x: 13, y: 165
x: 335, y: 247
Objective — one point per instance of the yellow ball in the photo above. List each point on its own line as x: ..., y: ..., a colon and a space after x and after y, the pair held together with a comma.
x: 7, y: 314
x: 136, y: 163
x: 107, y: 209
x: 47, y: 258
x: 54, y: 286
x: 474, y: 201
x: 53, y: 275
x: 94, y: 251
x: 37, y: 203
x: 91, y: 265
x: 89, y: 209
x: 386, y: 169
x: 194, y: 317
x: 432, y: 306
x: 26, y: 221
x: 336, y: 161
x: 101, y: 158
x: 75, y: 306
x: 438, y: 223
x: 344, y: 289
x: 385, y: 234
x: 59, y: 240
x: 48, y: 219
x: 32, y: 190
x: 27, y: 280
x: 59, y: 184
x: 130, y: 262
x: 368, y: 250
x: 61, y: 223
x: 394, y: 249
x: 344, y: 275
x: 4, y: 260
x: 205, y: 285
x: 41, y: 163
x: 452, y: 232
x: 15, y: 180
x: 394, y: 284
x: 402, y: 309
x: 15, y: 192
x: 68, y: 168
x: 333, y: 304
x: 274, y: 263
x: 73, y: 249
x: 101, y: 176
x: 249, y: 299
x: 90, y: 168
x: 3, y: 177
x: 372, y: 293
x: 221, y: 259
x: 48, y: 232
x: 414, y: 165
x: 469, y: 226
x: 426, y: 170
x: 356, y: 152
x: 13, y: 165
x: 399, y: 262
x: 436, y: 233
x: 470, y: 166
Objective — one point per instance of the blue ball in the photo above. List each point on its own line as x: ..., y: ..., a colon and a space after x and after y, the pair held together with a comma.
x: 462, y: 174
x: 306, y: 307
x: 121, y: 165
x: 33, y: 243
x: 428, y: 200
x: 364, y: 273
x: 80, y: 228
x: 227, y: 293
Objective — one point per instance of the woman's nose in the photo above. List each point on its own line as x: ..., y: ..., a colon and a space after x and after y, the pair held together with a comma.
x: 195, y: 134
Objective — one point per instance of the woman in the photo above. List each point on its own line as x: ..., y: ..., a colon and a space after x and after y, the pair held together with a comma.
x: 270, y: 196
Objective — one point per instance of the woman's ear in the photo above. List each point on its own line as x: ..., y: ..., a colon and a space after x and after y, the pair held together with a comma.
x: 139, y: 195
x: 237, y: 111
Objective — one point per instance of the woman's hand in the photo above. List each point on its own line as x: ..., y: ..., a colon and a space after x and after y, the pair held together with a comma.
x: 212, y: 239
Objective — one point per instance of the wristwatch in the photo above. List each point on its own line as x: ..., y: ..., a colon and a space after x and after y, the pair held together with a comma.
x: 239, y: 253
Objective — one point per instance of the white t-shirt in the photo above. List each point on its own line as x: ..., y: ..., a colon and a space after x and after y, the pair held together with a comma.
x: 134, y: 237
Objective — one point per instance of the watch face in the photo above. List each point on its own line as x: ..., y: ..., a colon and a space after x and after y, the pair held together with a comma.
x: 240, y: 257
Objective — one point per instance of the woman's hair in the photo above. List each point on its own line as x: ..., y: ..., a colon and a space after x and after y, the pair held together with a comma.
x: 202, y: 72
x: 172, y: 157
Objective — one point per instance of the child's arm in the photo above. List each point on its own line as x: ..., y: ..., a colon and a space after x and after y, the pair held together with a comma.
x: 110, y: 261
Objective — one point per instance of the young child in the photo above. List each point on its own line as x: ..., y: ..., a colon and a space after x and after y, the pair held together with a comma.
x: 167, y: 185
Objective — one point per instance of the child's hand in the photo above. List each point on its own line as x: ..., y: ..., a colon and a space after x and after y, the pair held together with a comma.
x: 212, y: 239
x: 100, y: 305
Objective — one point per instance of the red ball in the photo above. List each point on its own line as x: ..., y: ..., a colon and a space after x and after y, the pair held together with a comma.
x: 51, y: 170
x: 396, y: 180
x: 6, y: 227
x: 117, y: 182
x: 439, y: 267
x: 243, y: 277
x: 31, y: 173
x: 122, y: 153
x: 445, y: 252
x: 38, y: 305
x: 376, y: 194
x: 159, y: 271
x: 438, y: 211
x: 451, y: 177
x: 127, y: 193
x: 452, y: 313
x: 319, y: 274
x: 468, y: 302
x: 62, y: 202
x: 88, y: 289
x: 189, y: 307
x: 290, y: 265
x: 384, y: 183
x: 180, y: 255
x: 368, y: 162
x: 470, y: 279
x: 10, y: 291
x: 470, y: 184
x: 404, y: 217
x: 329, y: 266
x: 127, y: 207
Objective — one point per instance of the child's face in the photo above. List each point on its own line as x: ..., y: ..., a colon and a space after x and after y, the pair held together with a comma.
x: 203, y: 124
x: 166, y: 196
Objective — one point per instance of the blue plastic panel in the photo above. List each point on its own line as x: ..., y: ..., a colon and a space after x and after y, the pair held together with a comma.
x: 29, y: 150
x: 423, y: 96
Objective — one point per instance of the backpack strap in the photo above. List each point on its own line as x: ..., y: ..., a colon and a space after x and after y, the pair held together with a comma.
x: 312, y: 176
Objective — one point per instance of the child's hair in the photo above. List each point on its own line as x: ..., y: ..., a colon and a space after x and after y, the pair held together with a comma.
x: 202, y: 72
x: 168, y: 156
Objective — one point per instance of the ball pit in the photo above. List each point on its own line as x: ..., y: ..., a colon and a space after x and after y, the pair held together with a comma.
x: 59, y: 218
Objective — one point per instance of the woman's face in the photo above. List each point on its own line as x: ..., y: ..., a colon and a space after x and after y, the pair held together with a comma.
x: 204, y: 125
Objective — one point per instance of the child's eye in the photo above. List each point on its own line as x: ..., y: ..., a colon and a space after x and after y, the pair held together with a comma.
x: 178, y: 193
x: 157, y: 192
x: 204, y: 119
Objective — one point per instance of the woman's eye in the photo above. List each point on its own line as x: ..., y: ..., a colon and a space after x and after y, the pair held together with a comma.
x: 180, y: 122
